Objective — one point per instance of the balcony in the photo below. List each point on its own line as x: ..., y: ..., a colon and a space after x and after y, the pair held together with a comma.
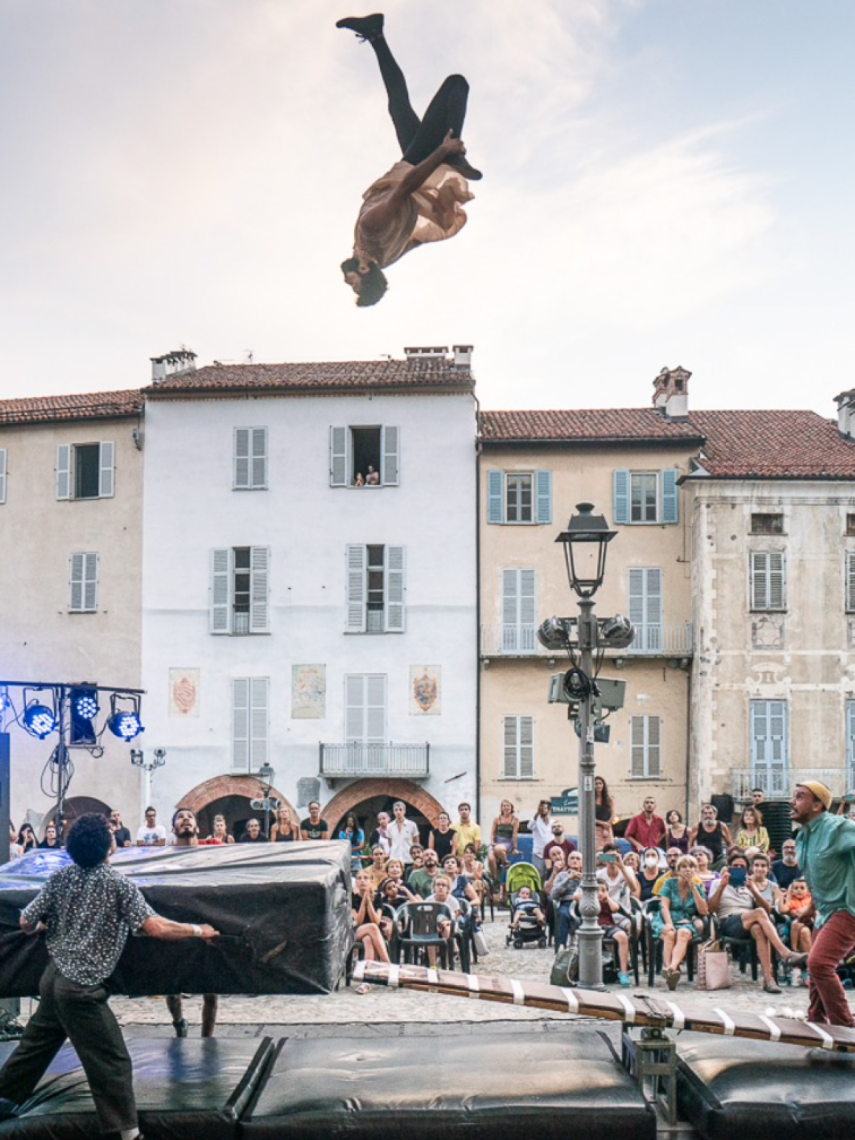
x: 352, y: 761
x: 778, y: 783
x: 650, y: 641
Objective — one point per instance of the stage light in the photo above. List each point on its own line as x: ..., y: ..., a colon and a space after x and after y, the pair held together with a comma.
x: 125, y: 725
x: 84, y: 709
x: 39, y: 721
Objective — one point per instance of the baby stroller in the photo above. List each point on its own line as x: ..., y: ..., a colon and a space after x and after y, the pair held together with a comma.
x: 528, y: 928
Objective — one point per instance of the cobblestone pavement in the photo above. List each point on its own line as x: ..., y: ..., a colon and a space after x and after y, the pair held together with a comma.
x: 239, y: 1016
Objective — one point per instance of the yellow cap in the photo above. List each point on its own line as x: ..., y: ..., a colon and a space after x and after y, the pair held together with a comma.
x: 822, y: 793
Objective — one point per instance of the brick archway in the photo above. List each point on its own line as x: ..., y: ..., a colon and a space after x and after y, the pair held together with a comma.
x: 354, y: 794
x: 250, y: 787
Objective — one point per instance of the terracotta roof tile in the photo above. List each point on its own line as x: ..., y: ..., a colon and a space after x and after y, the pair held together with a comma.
x: 338, y: 375
x: 774, y: 445
x: 53, y: 409
x: 580, y: 424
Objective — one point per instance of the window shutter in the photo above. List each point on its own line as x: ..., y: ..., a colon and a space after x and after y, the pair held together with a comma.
x: 63, y: 471
x: 258, y: 456
x: 75, y: 601
x: 354, y: 708
x: 394, y: 586
x: 526, y: 765
x: 759, y: 733
x: 240, y: 724
x: 495, y: 496
x: 375, y: 711
x: 654, y: 746
x: 777, y: 581
x: 637, y: 746
x: 355, y: 588
x: 220, y: 591
x: 510, y: 611
x: 241, y: 460
x: 2, y: 475
x: 107, y: 471
x: 544, y: 496
x: 670, y: 496
x: 637, y: 608
x: 389, y: 473
x: 511, y: 728
x: 258, y: 721
x: 259, y: 587
x: 759, y: 593
x: 621, y: 496
x: 339, y: 460
x: 90, y: 582
x: 850, y: 582
x: 850, y: 746
x: 527, y: 610
x: 653, y: 618
x: 768, y: 580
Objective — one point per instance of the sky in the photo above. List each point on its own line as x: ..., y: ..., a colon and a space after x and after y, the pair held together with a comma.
x: 666, y: 182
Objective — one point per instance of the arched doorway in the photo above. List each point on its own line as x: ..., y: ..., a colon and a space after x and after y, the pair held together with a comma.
x: 367, y: 797
x: 74, y: 807
x: 230, y: 796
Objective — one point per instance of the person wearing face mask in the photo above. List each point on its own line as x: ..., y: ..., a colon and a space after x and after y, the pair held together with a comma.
x: 786, y: 869
x: 649, y: 873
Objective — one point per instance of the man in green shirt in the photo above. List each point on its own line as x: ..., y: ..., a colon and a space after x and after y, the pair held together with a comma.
x: 826, y: 853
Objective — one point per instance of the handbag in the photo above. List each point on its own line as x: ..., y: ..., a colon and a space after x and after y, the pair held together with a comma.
x: 713, y: 967
x: 480, y: 942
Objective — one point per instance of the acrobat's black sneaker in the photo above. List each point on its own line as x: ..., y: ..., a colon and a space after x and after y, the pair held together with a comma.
x: 366, y: 27
x: 461, y: 164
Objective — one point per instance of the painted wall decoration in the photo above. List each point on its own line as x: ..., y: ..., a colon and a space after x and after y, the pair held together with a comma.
x: 308, y: 692
x: 183, y: 692
x: 425, y: 690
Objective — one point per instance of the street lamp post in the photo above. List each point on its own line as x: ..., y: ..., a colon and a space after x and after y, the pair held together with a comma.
x: 148, y: 767
x: 585, y: 542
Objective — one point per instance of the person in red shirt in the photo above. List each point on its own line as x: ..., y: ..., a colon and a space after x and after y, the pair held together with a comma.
x: 646, y: 829
x: 558, y: 840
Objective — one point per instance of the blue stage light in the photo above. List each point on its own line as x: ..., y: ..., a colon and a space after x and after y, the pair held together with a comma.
x: 84, y: 709
x: 39, y: 721
x: 125, y: 725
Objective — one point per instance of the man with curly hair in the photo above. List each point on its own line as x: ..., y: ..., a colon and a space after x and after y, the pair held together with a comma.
x: 421, y: 198
x: 87, y: 911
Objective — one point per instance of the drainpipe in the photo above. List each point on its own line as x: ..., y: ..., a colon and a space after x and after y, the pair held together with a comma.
x: 477, y: 607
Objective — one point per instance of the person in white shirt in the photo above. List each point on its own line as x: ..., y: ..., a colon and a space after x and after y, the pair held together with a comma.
x: 152, y: 833
x: 541, y: 830
x: 402, y: 833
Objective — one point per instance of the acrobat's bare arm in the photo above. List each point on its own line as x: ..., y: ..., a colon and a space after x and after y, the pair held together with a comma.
x: 378, y: 217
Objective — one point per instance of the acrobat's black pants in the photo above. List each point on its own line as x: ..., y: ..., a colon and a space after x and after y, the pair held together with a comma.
x: 420, y: 137
x: 80, y: 1013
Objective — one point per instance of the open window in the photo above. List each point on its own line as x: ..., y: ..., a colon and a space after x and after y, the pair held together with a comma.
x: 364, y: 456
x: 85, y: 470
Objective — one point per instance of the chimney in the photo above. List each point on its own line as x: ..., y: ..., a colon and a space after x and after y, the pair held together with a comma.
x: 171, y: 363
x: 846, y: 413
x: 462, y: 355
x: 421, y: 353
x: 671, y: 392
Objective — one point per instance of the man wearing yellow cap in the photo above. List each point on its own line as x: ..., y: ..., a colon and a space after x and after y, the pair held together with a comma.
x: 826, y: 852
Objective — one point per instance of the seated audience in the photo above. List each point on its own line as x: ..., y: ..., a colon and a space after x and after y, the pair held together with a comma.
x: 751, y: 834
x: 679, y: 921
x: 786, y: 869
x: 51, y: 839
x: 622, y: 884
x: 286, y: 829
x: 123, y: 836
x: 651, y: 869
x: 709, y: 877
x: 565, y: 888
x: 615, y: 927
x: 219, y: 833
x: 713, y: 835
x: 152, y: 833
x: 366, y: 920
x: 252, y: 832
x: 796, y: 904
x: 526, y: 911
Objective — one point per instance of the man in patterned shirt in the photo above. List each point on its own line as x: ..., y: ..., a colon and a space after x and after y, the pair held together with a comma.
x: 87, y: 912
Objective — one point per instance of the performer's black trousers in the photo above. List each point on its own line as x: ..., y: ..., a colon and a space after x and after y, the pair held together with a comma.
x: 420, y: 137
x: 82, y: 1014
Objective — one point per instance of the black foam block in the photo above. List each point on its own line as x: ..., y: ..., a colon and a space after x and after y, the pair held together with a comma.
x: 731, y: 1088
x: 547, y: 1086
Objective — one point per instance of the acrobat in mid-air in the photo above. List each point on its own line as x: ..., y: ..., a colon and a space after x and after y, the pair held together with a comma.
x: 421, y: 198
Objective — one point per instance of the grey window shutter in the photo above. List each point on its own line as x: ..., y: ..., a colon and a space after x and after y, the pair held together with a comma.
x: 495, y: 496
x: 638, y: 746
x: 240, y: 724
x: 258, y: 458
x: 354, y: 708
x: 107, y: 471
x: 221, y: 591
x: 2, y: 474
x: 391, y: 462
x: 653, y: 619
x: 850, y: 582
x: 511, y: 735
x: 241, y: 459
x: 339, y: 458
x: 670, y: 495
x: 356, y: 588
x: 777, y: 581
x: 621, y: 496
x: 63, y: 471
x: 395, y: 587
x: 510, y: 611
x: 544, y: 496
x: 638, y: 607
x: 654, y: 746
x: 375, y: 710
x: 758, y: 573
x: 90, y: 582
x: 75, y: 601
x: 526, y: 737
x: 258, y: 721
x: 259, y: 589
x: 527, y: 610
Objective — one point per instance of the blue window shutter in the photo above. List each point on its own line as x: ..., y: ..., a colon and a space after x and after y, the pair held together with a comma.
x: 670, y: 507
x: 495, y: 496
x: 544, y: 496
x: 621, y: 496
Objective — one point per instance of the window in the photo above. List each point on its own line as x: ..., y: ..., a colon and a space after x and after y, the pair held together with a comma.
x: 250, y: 459
x: 850, y: 524
x: 645, y: 609
x: 250, y: 702
x: 375, y: 589
x: 850, y: 582
x: 646, y: 736
x: 239, y: 590
x: 364, y: 456
x: 770, y: 747
x: 519, y: 497
x: 518, y: 611
x: 365, y: 708
x: 85, y: 470
x: 850, y: 747
x: 2, y: 474
x: 768, y: 580
x: 646, y: 496
x: 83, y: 584
x: 519, y: 748
x: 767, y: 524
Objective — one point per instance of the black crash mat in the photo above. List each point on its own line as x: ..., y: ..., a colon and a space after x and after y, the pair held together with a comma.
x: 283, y: 911
x: 184, y: 1089
x: 546, y: 1086
x: 733, y: 1088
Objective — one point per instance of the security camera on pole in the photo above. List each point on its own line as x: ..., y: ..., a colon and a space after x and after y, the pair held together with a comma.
x: 589, y: 703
